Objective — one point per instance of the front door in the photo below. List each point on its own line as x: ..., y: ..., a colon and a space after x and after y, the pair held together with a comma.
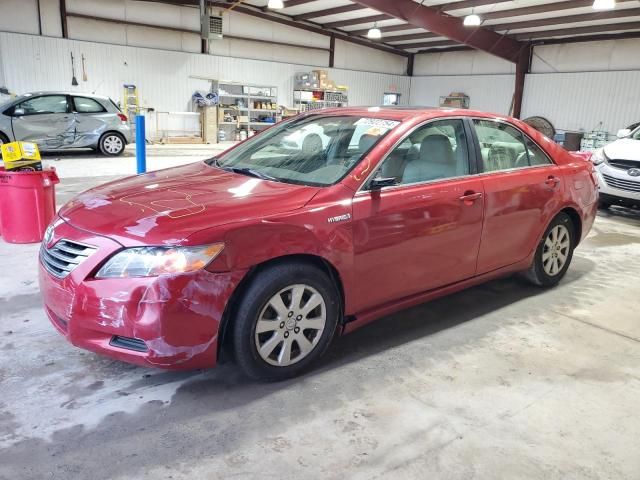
x: 44, y: 120
x: 521, y: 186
x: 424, y: 231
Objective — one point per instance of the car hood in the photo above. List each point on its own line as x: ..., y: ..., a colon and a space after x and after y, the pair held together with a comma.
x: 623, y: 149
x: 167, y: 206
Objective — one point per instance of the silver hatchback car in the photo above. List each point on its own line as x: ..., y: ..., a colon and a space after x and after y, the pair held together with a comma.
x: 63, y: 120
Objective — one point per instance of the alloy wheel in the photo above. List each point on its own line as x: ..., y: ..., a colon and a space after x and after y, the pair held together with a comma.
x: 112, y: 144
x: 556, y: 250
x: 290, y: 325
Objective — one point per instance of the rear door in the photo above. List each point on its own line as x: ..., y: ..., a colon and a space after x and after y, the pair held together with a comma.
x: 45, y: 120
x: 522, y: 188
x: 92, y: 120
x: 423, y: 232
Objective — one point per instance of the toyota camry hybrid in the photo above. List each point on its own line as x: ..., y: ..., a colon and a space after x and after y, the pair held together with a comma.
x: 311, y: 229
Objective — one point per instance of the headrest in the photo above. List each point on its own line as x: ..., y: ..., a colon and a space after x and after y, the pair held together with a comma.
x: 366, y: 142
x: 312, y: 143
x: 436, y: 148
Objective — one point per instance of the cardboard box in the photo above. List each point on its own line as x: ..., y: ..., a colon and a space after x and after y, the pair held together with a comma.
x: 21, y: 156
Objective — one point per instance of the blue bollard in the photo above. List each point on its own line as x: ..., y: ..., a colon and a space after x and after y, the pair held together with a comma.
x: 141, y: 146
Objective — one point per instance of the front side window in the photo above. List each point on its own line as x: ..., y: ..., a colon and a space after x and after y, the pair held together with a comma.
x: 43, y: 105
x: 504, y: 147
x: 87, y: 105
x: 435, y: 151
x: 315, y: 150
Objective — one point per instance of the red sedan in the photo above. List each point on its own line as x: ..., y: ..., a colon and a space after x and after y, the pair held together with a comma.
x: 315, y: 227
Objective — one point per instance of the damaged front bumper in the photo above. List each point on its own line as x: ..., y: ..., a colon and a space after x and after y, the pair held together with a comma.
x: 170, y: 321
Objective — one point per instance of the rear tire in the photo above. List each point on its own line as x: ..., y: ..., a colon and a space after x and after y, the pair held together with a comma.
x: 111, y: 144
x: 285, y: 321
x: 554, y: 253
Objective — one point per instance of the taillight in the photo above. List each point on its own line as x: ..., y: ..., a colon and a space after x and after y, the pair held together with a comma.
x: 123, y: 117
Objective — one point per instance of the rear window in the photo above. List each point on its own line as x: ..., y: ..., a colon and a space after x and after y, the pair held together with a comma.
x: 87, y: 105
x: 115, y: 105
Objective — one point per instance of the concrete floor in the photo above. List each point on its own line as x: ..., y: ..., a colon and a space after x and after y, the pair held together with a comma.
x: 500, y: 381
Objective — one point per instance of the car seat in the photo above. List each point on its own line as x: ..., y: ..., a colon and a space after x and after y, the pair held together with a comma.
x: 437, y: 160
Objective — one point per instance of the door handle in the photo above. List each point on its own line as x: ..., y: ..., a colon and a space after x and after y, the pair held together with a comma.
x: 469, y: 197
x: 552, y: 181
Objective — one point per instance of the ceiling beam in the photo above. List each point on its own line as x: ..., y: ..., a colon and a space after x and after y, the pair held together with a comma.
x: 561, y: 20
x: 447, y: 7
x: 354, y: 7
x: 535, y: 9
x: 328, y: 11
x: 357, y: 21
x: 437, y: 43
x: 287, y: 4
x: 450, y: 27
x: 309, y: 27
x: 459, y: 48
x: 390, y: 29
x: 610, y: 27
x: 590, y: 38
x: 412, y: 36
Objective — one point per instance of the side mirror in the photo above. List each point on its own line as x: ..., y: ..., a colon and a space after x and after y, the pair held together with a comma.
x: 18, y: 112
x: 623, y: 133
x: 377, y: 183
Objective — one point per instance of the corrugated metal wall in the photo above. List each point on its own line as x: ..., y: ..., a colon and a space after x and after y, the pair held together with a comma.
x: 584, y: 100
x: 164, y: 78
x: 491, y: 93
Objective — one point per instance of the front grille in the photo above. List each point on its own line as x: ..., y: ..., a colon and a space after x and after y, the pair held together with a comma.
x: 64, y: 256
x: 623, y: 164
x: 128, y: 343
x: 628, y: 185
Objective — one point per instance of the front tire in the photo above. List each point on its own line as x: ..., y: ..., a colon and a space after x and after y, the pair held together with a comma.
x: 111, y: 144
x: 3, y: 138
x: 554, y: 253
x: 286, y: 320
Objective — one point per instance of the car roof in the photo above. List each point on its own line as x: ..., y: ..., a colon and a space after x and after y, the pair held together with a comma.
x: 402, y: 113
x: 83, y: 94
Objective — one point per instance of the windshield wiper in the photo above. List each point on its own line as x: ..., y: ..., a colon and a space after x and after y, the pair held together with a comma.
x: 251, y: 172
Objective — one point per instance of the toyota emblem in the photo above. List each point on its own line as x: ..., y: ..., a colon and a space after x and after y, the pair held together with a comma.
x: 634, y: 172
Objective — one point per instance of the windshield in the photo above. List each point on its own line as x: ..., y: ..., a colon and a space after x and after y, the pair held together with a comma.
x: 636, y: 135
x: 316, y: 150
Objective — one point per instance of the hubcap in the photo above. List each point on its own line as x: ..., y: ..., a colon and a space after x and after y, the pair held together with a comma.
x: 290, y: 325
x: 112, y: 144
x: 556, y: 250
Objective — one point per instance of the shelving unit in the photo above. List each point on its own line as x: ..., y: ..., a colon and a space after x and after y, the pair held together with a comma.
x: 240, y: 106
x: 314, y: 99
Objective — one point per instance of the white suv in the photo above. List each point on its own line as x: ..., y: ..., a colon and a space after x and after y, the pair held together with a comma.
x: 618, y: 168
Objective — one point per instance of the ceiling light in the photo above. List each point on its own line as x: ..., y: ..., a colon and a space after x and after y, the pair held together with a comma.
x: 275, y: 4
x: 474, y: 20
x: 604, y: 4
x: 374, y: 32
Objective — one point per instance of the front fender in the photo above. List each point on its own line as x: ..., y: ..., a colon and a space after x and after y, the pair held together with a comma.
x: 312, y: 230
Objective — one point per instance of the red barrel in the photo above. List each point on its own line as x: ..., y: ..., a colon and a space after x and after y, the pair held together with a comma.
x: 27, y: 204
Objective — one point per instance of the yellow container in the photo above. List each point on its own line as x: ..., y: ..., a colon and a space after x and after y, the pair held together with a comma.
x: 21, y: 156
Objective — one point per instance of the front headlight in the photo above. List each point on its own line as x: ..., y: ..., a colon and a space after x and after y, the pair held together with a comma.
x: 154, y: 261
x: 598, y: 156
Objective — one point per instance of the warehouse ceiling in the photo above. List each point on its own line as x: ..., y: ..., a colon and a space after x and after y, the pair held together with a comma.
x: 538, y: 21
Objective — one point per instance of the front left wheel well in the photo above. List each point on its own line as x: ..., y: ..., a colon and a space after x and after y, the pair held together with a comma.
x: 225, y: 330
